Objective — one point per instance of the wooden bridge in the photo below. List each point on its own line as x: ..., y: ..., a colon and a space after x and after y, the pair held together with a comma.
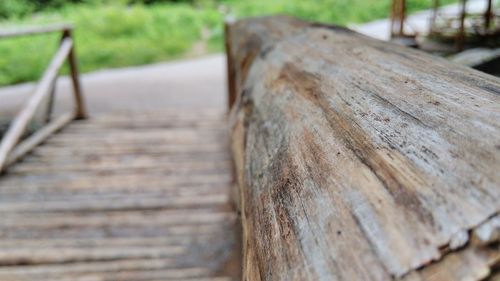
x: 355, y: 159
x: 121, y: 196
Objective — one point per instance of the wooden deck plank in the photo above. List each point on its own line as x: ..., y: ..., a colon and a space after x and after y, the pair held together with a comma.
x: 122, y: 197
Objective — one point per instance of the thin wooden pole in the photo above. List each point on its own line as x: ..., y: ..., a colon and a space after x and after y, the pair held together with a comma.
x: 81, y: 112
x: 393, y: 17
x: 398, y: 17
x: 487, y: 15
x: 461, y: 32
x: 402, y: 14
x: 19, y: 124
x: 435, y: 8
x: 39, y: 137
x: 231, y: 83
x: 50, y: 102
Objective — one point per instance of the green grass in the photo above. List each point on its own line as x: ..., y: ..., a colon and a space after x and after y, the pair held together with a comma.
x: 108, y: 36
x: 116, y: 35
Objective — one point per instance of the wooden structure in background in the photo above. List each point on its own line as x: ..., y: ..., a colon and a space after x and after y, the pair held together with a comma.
x: 361, y: 160
x: 458, y: 27
x: 11, y: 149
x: 465, y: 26
x: 398, y: 18
x: 128, y: 196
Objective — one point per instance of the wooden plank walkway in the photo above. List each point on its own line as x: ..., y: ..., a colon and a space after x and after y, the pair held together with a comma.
x: 123, y: 197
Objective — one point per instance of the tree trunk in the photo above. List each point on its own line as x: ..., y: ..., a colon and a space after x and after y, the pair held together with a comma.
x: 358, y: 159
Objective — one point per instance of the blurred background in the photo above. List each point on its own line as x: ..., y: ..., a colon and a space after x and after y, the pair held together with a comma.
x: 154, y: 54
x: 119, y: 33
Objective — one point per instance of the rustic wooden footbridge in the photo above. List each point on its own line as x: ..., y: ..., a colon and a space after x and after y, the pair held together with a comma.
x: 142, y: 196
x: 354, y: 159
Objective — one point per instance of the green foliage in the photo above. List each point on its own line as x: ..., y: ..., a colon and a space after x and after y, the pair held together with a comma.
x: 20, y: 8
x: 111, y: 36
x: 337, y: 11
x: 117, y: 33
x: 15, y: 8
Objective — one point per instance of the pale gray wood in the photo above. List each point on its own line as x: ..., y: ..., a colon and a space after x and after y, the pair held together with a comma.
x: 359, y: 159
x: 21, y: 121
x: 32, y: 30
x: 73, y: 211
x: 39, y: 137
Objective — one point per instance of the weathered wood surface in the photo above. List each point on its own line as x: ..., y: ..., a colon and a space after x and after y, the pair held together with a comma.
x: 38, y: 138
x: 361, y: 160
x: 114, y: 198
x: 4, y: 33
x: 42, y: 95
x: 22, y: 120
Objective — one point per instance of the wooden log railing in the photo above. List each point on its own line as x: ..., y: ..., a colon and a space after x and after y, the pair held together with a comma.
x: 12, y: 148
x: 358, y: 159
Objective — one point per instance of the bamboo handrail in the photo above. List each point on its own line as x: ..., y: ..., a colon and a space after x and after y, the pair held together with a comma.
x: 9, y: 153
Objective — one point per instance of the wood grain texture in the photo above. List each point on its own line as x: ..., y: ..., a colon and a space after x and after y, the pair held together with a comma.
x: 361, y: 160
x: 112, y: 198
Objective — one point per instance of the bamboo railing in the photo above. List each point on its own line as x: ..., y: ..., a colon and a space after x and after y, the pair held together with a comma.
x: 12, y: 147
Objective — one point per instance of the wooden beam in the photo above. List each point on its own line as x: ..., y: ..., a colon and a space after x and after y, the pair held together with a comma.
x: 359, y: 159
x: 19, y: 124
x: 34, y: 30
x: 433, y: 18
x: 39, y: 137
x: 398, y: 18
x: 81, y: 112
x: 231, y: 90
x: 460, y: 37
x: 488, y: 16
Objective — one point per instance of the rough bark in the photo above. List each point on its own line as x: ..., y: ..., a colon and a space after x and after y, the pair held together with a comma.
x: 361, y: 160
